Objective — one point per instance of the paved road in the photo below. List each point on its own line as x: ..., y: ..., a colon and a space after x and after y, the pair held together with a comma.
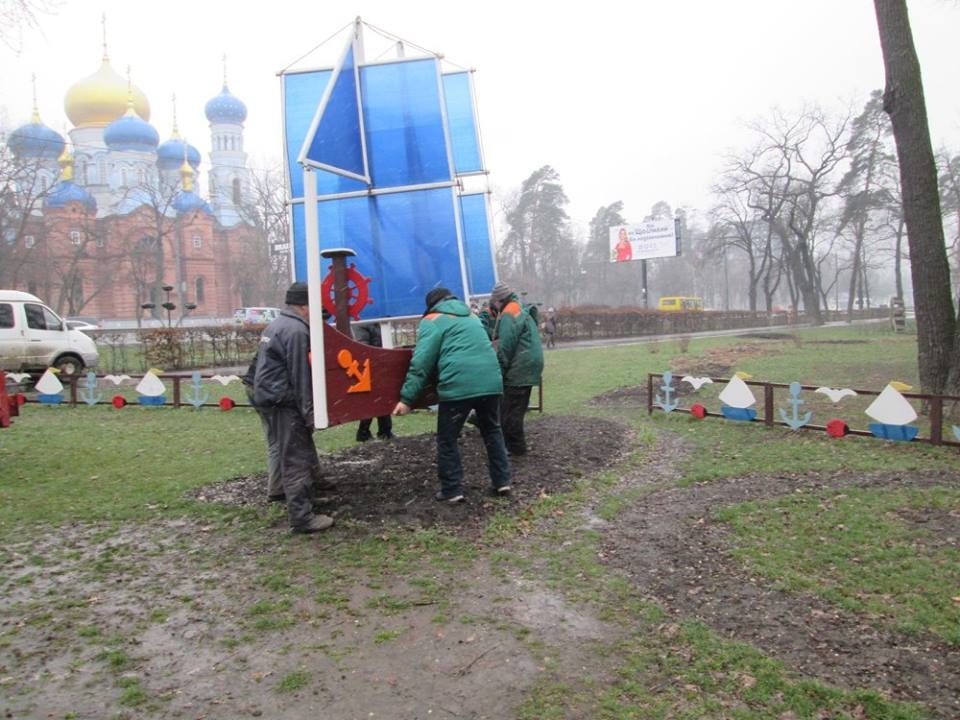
x: 642, y: 339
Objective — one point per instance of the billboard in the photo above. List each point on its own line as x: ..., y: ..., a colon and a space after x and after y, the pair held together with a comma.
x: 649, y: 239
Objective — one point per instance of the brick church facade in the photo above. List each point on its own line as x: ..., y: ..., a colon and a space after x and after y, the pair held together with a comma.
x: 100, y: 225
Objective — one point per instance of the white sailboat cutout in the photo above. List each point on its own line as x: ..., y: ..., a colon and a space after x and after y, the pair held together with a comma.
x: 151, y: 388
x: 893, y: 414
x: 737, y: 398
x: 49, y: 388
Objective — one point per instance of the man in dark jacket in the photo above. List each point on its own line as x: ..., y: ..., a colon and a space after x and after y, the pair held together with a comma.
x: 453, y: 348
x: 520, y: 354
x: 370, y: 334
x: 283, y: 393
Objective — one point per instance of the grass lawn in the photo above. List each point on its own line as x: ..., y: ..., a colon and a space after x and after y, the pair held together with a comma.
x: 870, y: 551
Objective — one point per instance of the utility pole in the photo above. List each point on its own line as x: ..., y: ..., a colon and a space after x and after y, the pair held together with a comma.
x: 643, y: 281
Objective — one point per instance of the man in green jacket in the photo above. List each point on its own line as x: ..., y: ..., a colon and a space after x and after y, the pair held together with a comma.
x: 453, y: 348
x: 520, y: 354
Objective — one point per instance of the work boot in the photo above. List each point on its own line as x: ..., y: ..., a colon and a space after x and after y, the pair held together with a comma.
x: 314, y: 525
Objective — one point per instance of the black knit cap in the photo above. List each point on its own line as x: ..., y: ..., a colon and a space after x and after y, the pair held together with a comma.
x: 297, y: 294
x: 436, y: 295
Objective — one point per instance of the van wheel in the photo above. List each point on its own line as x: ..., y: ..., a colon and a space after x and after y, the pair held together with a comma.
x: 69, y: 365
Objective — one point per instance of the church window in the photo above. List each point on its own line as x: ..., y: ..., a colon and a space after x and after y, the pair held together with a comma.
x: 236, y: 191
x: 75, y: 237
x: 201, y: 290
x: 197, y: 241
x: 101, y: 241
x: 102, y: 171
x: 29, y: 241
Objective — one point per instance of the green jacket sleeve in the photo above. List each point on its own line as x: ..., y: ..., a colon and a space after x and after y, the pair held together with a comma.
x: 423, y: 365
x: 508, y: 338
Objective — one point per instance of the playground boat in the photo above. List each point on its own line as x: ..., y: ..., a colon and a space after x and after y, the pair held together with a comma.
x: 737, y: 399
x: 893, y: 414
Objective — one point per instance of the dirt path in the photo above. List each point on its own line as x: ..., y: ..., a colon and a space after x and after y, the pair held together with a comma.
x: 671, y: 548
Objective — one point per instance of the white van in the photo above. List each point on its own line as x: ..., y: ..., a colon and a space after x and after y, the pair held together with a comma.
x: 33, y: 338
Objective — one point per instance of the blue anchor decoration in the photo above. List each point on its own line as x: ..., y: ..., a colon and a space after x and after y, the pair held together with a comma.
x: 87, y: 393
x: 195, y: 394
x: 795, y: 422
x: 667, y: 391
x: 956, y: 432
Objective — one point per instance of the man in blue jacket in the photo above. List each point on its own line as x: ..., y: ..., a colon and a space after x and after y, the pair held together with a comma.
x: 453, y: 348
x: 283, y: 393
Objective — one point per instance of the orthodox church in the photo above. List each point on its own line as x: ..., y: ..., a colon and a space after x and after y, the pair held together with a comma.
x: 112, y: 217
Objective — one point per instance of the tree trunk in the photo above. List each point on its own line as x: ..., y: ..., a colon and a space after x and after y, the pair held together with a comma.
x: 903, y: 101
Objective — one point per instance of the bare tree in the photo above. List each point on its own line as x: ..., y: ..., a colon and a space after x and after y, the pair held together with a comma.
x: 790, y: 177
x: 18, y: 15
x: 23, y: 189
x: 268, y: 245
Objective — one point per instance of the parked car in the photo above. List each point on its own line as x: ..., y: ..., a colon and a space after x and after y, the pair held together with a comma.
x: 33, y: 337
x: 255, y: 315
x: 82, y: 324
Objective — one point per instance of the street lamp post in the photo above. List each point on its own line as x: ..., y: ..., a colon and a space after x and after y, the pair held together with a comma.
x: 168, y: 306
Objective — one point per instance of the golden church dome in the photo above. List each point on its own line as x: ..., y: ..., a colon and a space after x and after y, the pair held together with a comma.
x: 101, y: 98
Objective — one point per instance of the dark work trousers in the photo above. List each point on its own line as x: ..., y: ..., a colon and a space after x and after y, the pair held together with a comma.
x: 299, y: 464
x: 274, y: 483
x: 515, y: 403
x: 450, y: 418
x: 384, y: 427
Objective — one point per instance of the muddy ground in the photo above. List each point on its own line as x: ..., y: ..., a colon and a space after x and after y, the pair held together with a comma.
x: 388, y: 482
x: 176, y: 597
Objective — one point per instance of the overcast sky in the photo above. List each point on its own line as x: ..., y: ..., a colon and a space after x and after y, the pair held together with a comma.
x: 627, y: 101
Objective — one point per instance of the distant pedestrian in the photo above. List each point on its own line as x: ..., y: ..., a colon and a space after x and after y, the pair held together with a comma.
x: 549, y: 326
x: 370, y: 334
x: 453, y: 349
x: 283, y: 393
x: 520, y: 353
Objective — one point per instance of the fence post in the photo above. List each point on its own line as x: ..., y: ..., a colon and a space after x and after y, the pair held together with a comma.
x: 649, y: 393
x: 768, y: 404
x: 176, y: 391
x: 73, y: 388
x: 936, y: 420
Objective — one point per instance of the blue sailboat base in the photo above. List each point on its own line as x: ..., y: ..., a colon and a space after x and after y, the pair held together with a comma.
x: 894, y: 432
x: 735, y: 413
x: 155, y: 400
x: 50, y: 399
